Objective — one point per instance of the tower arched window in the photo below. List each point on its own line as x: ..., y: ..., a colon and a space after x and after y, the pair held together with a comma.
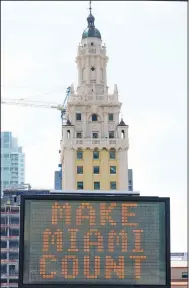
x: 83, y: 74
x: 122, y: 134
x: 93, y: 73
x: 94, y: 117
x: 101, y: 74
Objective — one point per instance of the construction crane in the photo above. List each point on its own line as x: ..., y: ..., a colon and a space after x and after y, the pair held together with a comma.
x: 38, y: 104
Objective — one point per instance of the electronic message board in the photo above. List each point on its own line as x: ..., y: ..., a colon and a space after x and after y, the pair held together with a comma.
x: 86, y: 241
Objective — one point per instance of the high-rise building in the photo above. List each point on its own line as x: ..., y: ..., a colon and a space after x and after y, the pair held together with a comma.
x: 58, y: 178
x: 130, y: 179
x: 12, y: 161
x: 95, y: 142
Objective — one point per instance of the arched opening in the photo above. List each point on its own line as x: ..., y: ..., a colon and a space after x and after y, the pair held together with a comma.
x: 93, y: 73
x: 94, y: 117
x: 83, y: 74
x: 96, y: 154
x: 101, y: 74
x: 112, y: 154
x: 68, y: 134
x: 122, y: 134
x: 79, y: 154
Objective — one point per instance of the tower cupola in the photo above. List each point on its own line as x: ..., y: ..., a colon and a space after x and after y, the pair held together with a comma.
x: 91, y: 31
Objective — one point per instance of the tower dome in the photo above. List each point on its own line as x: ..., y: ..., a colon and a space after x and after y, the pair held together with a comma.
x: 91, y: 31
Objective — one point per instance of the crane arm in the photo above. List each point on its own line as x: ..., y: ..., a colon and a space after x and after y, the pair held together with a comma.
x: 10, y: 101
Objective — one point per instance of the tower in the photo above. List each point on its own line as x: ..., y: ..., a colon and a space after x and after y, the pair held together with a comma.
x: 94, y: 143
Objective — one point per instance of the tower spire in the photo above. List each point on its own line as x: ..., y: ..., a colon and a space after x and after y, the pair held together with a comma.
x: 90, y: 7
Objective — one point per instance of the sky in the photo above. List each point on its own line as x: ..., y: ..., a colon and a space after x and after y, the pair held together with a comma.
x: 147, y: 50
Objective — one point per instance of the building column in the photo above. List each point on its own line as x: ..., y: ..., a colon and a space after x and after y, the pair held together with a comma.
x: 105, y: 132
x: 98, y: 70
x: 68, y: 179
x: 123, y: 169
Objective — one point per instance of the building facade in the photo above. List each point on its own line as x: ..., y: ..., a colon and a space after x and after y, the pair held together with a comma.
x: 179, y: 272
x: 10, y: 227
x: 94, y: 141
x: 12, y: 161
x: 58, y: 179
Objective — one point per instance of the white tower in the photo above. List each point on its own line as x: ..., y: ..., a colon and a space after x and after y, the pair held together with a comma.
x: 94, y: 144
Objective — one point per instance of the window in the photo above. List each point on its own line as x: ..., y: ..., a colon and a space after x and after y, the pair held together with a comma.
x: 122, y: 134
x: 96, y: 185
x: 113, y: 185
x: 15, y: 209
x: 112, y: 169
x: 78, y: 116
x: 96, y: 170
x: 3, y: 255
x: 6, y: 155
x: 80, y: 185
x: 95, y: 135
x: 4, y: 220
x: 3, y: 269
x: 111, y: 134
x: 111, y: 117
x: 185, y: 275
x: 14, y: 220
x: 15, y: 281
x: 79, y: 155
x: 94, y: 117
x: 13, y: 244
x: 3, y: 244
x: 5, y: 183
x: 112, y: 154
x: 95, y: 155
x: 3, y: 231
x: 79, y: 169
x: 13, y: 256
x: 78, y: 135
x: 12, y: 270
x: 14, y: 232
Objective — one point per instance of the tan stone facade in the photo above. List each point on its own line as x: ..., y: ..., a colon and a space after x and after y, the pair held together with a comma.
x: 179, y: 274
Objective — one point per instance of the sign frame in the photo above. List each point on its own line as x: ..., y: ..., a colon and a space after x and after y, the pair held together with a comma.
x: 92, y: 196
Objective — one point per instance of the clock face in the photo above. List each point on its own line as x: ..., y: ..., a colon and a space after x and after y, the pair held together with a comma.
x: 92, y: 68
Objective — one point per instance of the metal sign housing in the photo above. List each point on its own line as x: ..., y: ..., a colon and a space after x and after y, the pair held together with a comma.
x: 94, y: 240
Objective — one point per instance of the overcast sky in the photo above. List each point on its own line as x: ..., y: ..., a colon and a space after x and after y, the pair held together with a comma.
x: 146, y: 45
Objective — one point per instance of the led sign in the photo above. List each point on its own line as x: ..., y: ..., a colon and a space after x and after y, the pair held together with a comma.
x: 67, y: 240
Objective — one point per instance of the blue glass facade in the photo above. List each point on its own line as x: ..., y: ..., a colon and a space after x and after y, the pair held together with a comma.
x: 12, y: 161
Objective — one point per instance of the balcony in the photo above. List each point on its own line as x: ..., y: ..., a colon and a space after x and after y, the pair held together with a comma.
x: 106, y: 98
x: 15, y: 249
x: 95, y: 143
x: 10, y: 225
x: 9, y: 237
x: 10, y: 285
x: 13, y: 275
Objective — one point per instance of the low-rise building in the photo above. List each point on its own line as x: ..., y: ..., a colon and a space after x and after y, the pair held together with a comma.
x: 179, y: 274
